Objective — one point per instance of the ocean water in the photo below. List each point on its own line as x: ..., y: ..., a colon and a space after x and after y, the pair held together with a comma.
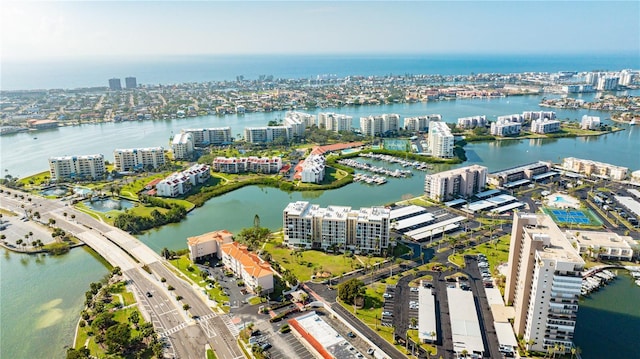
x: 75, y: 73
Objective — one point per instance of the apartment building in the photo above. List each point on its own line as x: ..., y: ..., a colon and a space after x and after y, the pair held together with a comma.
x: 531, y: 171
x: 338, y: 227
x: 544, y: 280
x: 247, y: 164
x: 76, y: 167
x: 208, y: 244
x: 440, y: 140
x: 180, y: 183
x: 503, y: 128
x: 595, y: 168
x: 516, y: 117
x: 420, y: 123
x: 472, y: 122
x: 538, y: 115
x: 182, y: 146
x: 335, y: 122
x: 216, y: 136
x: 256, y: 273
x: 590, y: 122
x: 543, y: 126
x: 137, y: 159
x: 607, y: 83
x: 312, y: 169
x: 379, y: 125
x: 298, y: 121
x: 459, y: 182
x: 266, y: 134
x: 603, y: 245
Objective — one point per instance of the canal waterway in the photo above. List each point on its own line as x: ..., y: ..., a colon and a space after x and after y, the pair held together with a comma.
x: 41, y: 301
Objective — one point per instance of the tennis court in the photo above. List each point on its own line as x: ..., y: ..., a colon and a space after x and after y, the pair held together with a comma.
x: 573, y: 216
x: 397, y: 145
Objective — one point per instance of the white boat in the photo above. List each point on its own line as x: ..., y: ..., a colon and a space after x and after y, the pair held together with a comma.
x: 633, y: 122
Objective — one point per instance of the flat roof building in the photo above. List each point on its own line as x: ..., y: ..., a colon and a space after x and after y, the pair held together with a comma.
x: 440, y: 140
x: 76, y: 167
x: 182, y: 146
x: 267, y: 134
x: 336, y: 227
x: 427, y: 328
x: 595, y: 168
x: 130, y: 82
x: 210, y: 136
x: 335, y: 122
x: 136, y: 159
x: 459, y: 182
x: 325, y: 341
x: 114, y: 84
x: 379, y: 125
x: 604, y: 245
x: 544, y: 281
x: 465, y: 327
x: 545, y: 126
x: 513, y: 174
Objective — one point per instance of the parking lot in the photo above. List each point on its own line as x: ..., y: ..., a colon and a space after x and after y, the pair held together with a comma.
x: 293, y: 349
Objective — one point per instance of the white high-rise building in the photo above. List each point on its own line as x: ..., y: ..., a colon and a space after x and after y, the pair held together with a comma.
x: 306, y: 119
x: 335, y: 122
x: 440, y: 140
x: 379, y: 125
x: 182, y: 146
x: 590, y: 122
x: 607, y: 83
x: 420, y: 123
x: 311, y: 226
x: 136, y: 159
x: 210, y: 136
x: 266, y: 134
x: 76, y: 167
x: 544, y: 281
x: 459, y: 182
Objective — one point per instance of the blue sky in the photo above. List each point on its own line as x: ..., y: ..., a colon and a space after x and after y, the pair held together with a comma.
x: 55, y: 29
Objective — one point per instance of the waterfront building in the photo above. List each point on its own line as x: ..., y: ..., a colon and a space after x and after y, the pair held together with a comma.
x: 312, y: 169
x: 577, y: 88
x: 208, y: 244
x: 130, y: 82
x: 459, y: 182
x: 182, y: 146
x: 379, y: 125
x: 627, y: 77
x: 545, y: 126
x: 76, y: 167
x: 440, y: 140
x: 607, y: 83
x: 420, y: 123
x: 602, y: 245
x: 472, y: 122
x: 42, y: 124
x: 210, y: 136
x: 595, y: 168
x: 137, y: 159
x: 114, y: 84
x: 538, y: 115
x: 520, y: 175
x: 544, y: 280
x: 266, y: 134
x: 590, y: 122
x: 255, y: 272
x: 247, y: 164
x: 296, y: 122
x: 336, y: 227
x: 180, y: 183
x: 335, y: 122
x: 516, y: 117
x: 504, y: 128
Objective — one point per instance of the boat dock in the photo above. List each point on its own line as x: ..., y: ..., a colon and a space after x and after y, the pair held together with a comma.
x: 595, y: 280
x: 397, y: 173
x: 392, y: 159
x: 368, y: 179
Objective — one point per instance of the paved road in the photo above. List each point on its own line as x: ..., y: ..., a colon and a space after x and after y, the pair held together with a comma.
x: 186, y: 337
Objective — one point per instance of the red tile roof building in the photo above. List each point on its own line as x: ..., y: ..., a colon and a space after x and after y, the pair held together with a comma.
x: 248, y: 266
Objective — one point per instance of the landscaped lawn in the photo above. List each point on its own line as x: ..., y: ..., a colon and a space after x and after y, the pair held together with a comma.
x: 311, y: 262
x: 496, y: 253
x: 183, y: 263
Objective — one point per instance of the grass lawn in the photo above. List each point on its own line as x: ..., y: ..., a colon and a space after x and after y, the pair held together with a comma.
x: 311, y: 261
x: 36, y: 179
x: 183, y: 263
x: 121, y: 316
x: 211, y: 354
x: 137, y: 183
x: 256, y: 300
x: 496, y: 252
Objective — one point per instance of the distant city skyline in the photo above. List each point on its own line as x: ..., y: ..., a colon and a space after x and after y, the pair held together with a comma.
x: 58, y: 30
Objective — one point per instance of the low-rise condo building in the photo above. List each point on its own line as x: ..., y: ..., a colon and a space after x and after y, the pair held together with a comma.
x: 137, y: 159
x: 440, y: 140
x: 267, y: 134
x: 336, y: 227
x: 603, y: 245
x: 307, y: 119
x: 595, y: 168
x: 459, y: 182
x: 545, y: 126
x: 76, y: 167
x: 256, y: 273
x: 544, y: 281
x: 590, y: 122
x: 505, y: 128
x: 180, y: 183
x: 297, y: 121
x: 516, y: 117
x: 520, y: 175
x: 538, y: 115
x: 247, y: 164
x: 472, y: 122
x: 335, y: 122
x: 312, y: 169
x: 208, y: 244
x: 210, y: 136
x: 182, y: 146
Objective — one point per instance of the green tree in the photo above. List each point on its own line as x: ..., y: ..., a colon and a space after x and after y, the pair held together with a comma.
x: 103, y: 321
x: 117, y: 337
x: 82, y: 353
x: 350, y: 290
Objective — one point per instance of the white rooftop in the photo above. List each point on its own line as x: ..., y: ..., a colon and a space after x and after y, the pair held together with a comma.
x: 465, y: 328
x: 505, y: 333
x: 405, y: 211
x: 413, y: 221
x: 427, y: 315
x: 631, y: 204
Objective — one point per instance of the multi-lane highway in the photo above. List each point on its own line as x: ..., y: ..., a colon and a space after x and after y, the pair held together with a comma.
x: 186, y: 333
